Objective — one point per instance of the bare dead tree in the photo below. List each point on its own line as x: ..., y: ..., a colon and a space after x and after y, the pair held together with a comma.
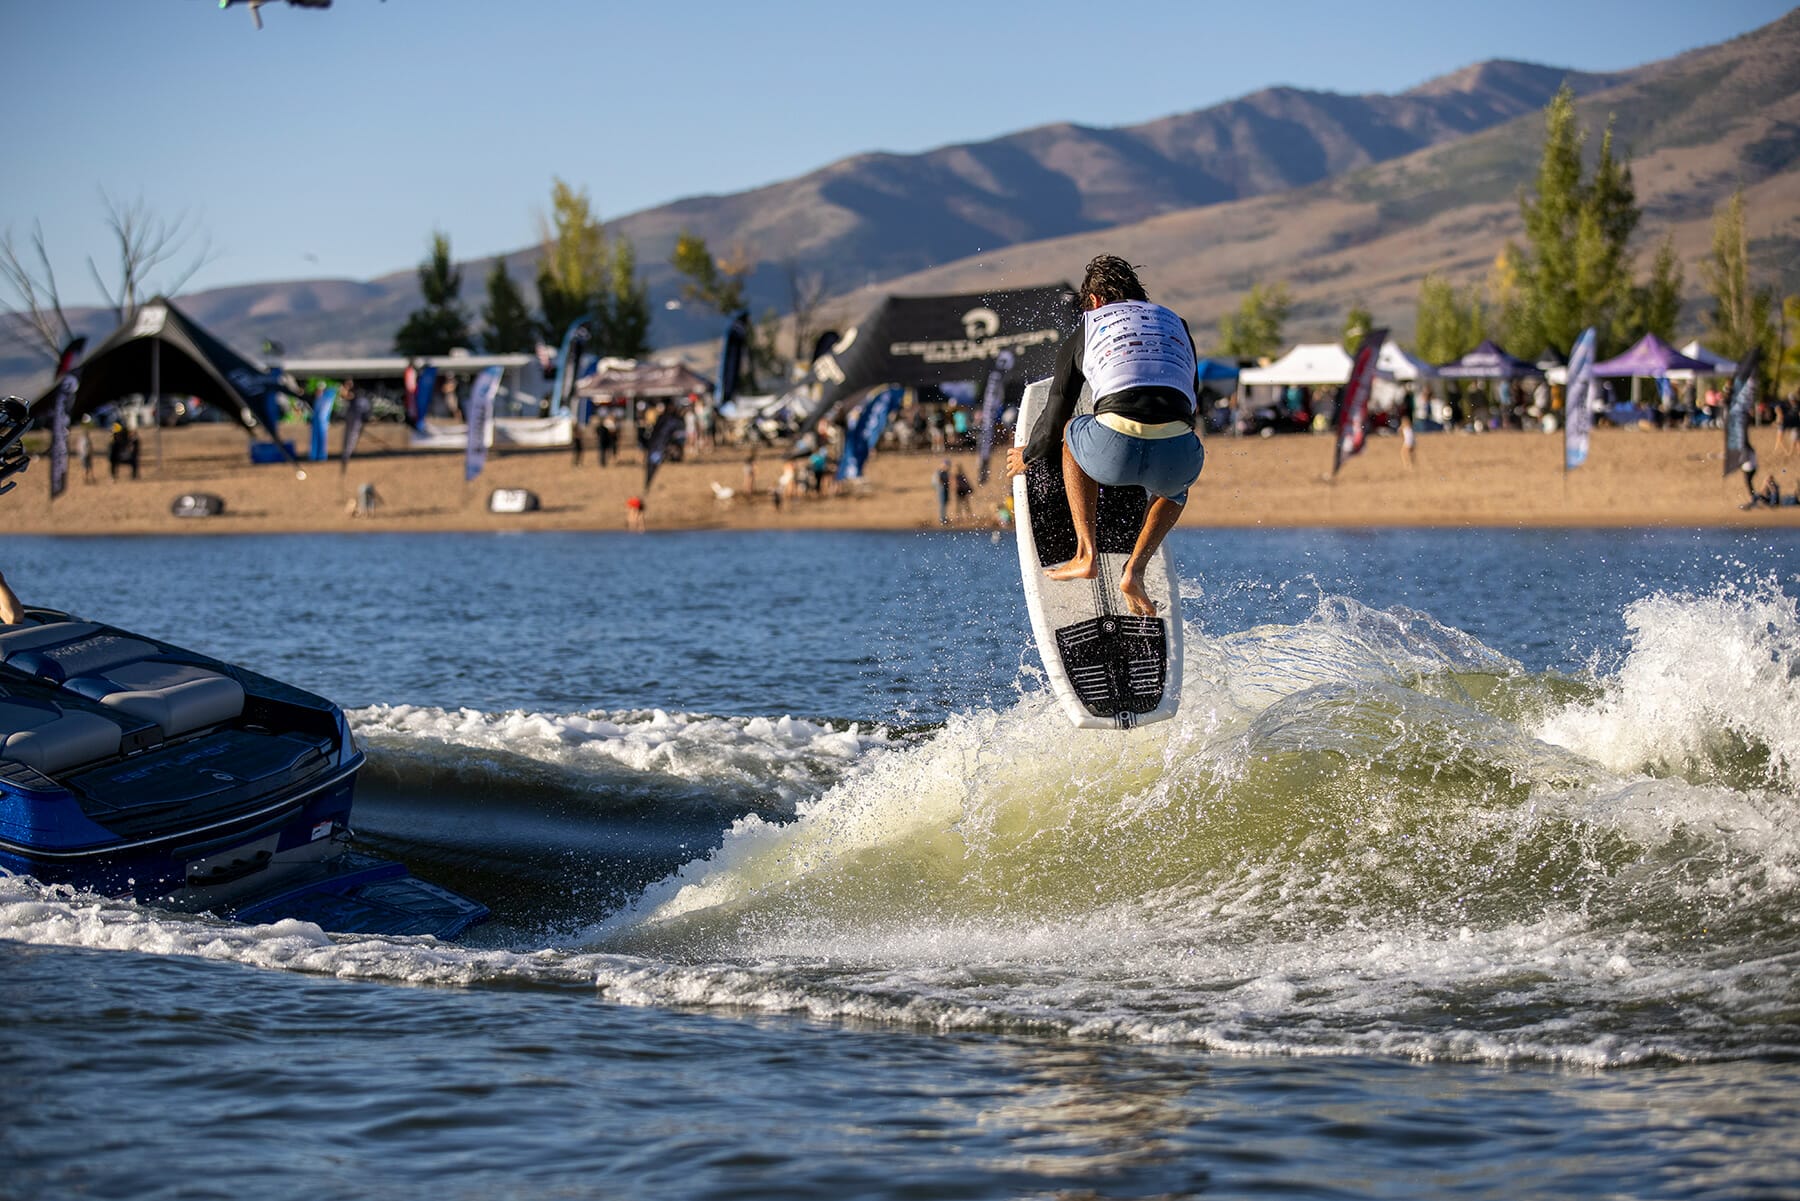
x: 806, y: 297
x: 143, y: 243
x: 37, y: 317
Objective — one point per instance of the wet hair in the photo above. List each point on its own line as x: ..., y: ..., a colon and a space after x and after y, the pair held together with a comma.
x: 1112, y: 279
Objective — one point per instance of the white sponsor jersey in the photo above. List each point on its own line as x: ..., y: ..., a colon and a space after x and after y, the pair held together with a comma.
x: 1136, y: 344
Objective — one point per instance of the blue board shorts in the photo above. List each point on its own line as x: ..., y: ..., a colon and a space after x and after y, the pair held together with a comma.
x: 1163, y: 466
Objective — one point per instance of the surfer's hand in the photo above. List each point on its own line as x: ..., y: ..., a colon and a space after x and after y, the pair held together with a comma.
x: 1015, y: 461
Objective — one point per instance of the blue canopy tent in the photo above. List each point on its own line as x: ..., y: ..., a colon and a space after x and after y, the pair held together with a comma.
x: 1651, y: 358
x: 1488, y: 361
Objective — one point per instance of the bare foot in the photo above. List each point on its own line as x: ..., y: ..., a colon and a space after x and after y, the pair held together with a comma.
x: 1136, y: 599
x: 1078, y: 568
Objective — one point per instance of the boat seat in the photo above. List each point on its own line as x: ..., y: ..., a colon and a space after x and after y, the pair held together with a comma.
x: 18, y: 639
x: 49, y: 738
x: 125, y: 673
x: 178, y: 697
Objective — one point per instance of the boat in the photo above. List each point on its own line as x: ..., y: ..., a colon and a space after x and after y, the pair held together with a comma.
x: 131, y: 767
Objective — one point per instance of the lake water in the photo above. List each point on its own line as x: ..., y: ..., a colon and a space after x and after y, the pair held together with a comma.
x: 1470, y: 868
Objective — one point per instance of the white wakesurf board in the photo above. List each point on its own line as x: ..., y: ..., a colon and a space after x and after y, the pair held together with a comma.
x: 1109, y: 669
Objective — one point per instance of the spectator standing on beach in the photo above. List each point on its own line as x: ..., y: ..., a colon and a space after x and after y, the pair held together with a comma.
x: 942, y: 480
x: 575, y: 442
x: 1407, y: 438
x: 450, y: 401
x: 964, y: 490
x: 606, y: 439
x: 634, y: 514
x: 750, y: 473
x: 84, y: 450
x: 1787, y: 437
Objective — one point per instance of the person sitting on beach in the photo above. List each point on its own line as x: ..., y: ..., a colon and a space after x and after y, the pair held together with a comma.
x: 1138, y: 358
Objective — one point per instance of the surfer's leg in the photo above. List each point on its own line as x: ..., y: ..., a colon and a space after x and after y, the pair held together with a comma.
x: 1161, y: 518
x: 1084, y: 503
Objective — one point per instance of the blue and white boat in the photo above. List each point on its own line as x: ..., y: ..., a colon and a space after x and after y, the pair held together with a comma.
x: 132, y: 767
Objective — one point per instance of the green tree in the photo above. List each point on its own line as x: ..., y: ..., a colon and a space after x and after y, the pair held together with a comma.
x: 1787, y: 372
x: 1576, y: 266
x: 1656, y: 305
x: 506, y: 319
x: 440, y: 326
x: 1357, y: 324
x: 1743, y: 314
x: 581, y: 273
x: 625, y: 314
x: 1254, y: 330
x: 1451, y: 321
x: 1603, y: 256
x: 573, y: 274
x: 718, y: 283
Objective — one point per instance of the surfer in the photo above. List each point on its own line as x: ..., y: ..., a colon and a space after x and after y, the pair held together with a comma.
x: 1138, y: 359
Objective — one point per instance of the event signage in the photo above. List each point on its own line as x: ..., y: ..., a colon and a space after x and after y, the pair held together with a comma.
x: 1353, y: 406
x: 481, y: 421
x: 1578, y: 408
x: 1738, y: 452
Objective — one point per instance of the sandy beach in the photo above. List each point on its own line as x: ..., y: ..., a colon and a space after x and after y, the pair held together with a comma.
x: 1632, y: 478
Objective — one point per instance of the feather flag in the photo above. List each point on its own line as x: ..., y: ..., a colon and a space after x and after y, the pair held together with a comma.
x: 321, y: 422
x: 1578, y: 408
x: 481, y: 421
x: 993, y: 399
x: 68, y: 383
x: 1738, y: 451
x: 356, y: 415
x: 662, y: 434
x: 866, y: 430
x: 1353, y: 403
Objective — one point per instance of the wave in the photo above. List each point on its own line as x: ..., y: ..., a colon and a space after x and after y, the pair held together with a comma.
x: 1366, y: 832
x: 772, y: 761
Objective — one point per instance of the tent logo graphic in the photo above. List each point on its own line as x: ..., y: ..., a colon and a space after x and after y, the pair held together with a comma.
x: 150, y: 321
x: 980, y: 323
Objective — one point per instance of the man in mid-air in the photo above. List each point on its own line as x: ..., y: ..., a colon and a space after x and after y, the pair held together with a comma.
x: 1138, y: 359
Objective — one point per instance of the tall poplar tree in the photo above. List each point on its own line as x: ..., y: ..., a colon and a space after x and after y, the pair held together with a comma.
x: 573, y: 273
x: 1743, y: 314
x: 581, y: 273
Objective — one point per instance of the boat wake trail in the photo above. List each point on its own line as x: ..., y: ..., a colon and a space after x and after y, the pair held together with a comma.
x: 1365, y: 832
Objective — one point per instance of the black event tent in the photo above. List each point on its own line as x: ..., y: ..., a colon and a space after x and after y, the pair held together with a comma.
x: 917, y: 340
x: 187, y: 360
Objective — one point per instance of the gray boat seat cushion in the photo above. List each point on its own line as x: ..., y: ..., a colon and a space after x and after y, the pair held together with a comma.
x: 176, y: 696
x: 82, y: 656
x: 19, y: 638
x: 52, y: 739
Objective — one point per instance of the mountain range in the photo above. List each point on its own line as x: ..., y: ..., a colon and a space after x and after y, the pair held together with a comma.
x: 1347, y: 199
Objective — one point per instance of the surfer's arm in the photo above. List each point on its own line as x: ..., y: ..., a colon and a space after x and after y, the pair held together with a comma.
x: 1065, y: 391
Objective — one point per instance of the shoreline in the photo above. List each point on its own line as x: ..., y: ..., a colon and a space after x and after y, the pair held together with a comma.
x: 1500, y: 479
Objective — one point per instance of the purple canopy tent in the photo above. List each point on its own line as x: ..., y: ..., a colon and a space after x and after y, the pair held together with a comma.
x: 1651, y: 358
x: 1488, y: 361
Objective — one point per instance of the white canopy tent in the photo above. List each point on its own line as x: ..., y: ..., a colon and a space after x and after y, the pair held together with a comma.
x: 1311, y: 364
x: 1722, y: 367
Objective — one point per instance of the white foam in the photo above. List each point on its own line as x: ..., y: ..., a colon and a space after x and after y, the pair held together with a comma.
x: 784, y: 758
x: 1698, y: 669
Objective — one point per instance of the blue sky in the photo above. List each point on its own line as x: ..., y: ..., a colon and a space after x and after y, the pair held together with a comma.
x: 332, y: 143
